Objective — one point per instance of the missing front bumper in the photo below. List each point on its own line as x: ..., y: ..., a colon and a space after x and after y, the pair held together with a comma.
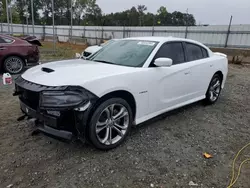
x: 48, y: 120
x: 54, y: 132
x: 74, y: 123
x: 68, y: 124
x: 49, y: 124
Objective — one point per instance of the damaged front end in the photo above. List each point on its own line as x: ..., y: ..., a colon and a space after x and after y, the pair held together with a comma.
x: 60, y: 111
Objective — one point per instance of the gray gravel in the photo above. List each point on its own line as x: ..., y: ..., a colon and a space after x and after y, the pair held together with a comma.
x: 163, y: 152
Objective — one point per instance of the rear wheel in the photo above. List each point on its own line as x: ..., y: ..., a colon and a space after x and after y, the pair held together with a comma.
x: 214, y: 89
x: 110, y: 123
x: 13, y: 65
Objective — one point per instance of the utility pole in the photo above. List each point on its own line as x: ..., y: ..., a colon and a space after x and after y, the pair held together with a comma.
x: 228, y: 31
x: 53, y: 22
x: 11, y: 26
x: 27, y: 23
x: 26, y: 14
x: 32, y: 17
x: 186, y: 32
x: 7, y: 14
x: 153, y: 28
x: 71, y: 21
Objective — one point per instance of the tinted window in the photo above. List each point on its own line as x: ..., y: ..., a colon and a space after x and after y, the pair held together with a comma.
x: 204, y: 52
x: 194, y: 52
x: 7, y: 40
x: 173, y: 51
x: 2, y: 41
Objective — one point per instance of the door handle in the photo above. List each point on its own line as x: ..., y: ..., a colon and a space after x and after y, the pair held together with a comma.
x: 2, y: 48
x: 186, y: 73
x: 211, y: 65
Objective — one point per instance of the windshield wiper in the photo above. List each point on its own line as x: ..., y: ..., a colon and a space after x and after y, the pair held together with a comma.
x: 102, y: 61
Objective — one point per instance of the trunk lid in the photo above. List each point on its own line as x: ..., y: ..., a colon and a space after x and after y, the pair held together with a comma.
x: 32, y: 40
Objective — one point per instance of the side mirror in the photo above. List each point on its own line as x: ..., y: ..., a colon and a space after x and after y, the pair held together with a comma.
x: 78, y: 55
x: 163, y: 62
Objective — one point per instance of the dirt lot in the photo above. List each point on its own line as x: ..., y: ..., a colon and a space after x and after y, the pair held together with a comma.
x: 164, y: 152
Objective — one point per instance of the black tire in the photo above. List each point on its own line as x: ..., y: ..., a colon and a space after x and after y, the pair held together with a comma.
x: 213, y: 93
x: 11, y: 60
x: 93, y: 136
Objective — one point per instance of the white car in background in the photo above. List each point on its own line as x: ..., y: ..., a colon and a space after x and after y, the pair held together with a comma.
x: 126, y: 83
x: 93, y: 49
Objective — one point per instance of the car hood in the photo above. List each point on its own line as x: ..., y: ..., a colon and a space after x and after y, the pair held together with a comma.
x: 73, y: 72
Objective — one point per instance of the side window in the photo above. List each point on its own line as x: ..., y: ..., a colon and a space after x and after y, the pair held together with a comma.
x: 204, y: 52
x: 2, y: 41
x: 173, y: 50
x: 7, y: 40
x: 194, y: 52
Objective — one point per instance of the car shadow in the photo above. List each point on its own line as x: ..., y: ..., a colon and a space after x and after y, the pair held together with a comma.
x: 140, y: 127
x: 78, y: 146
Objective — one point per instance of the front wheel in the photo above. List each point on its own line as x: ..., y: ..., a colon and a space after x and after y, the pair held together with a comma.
x: 110, y: 123
x: 214, y: 89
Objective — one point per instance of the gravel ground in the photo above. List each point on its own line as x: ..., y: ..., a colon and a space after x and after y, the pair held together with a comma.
x: 163, y: 152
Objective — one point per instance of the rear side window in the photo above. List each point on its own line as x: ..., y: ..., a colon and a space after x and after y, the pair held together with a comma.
x: 7, y: 40
x: 173, y: 50
x: 194, y: 52
x: 204, y: 52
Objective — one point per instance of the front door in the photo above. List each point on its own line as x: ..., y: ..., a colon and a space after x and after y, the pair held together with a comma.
x: 170, y: 86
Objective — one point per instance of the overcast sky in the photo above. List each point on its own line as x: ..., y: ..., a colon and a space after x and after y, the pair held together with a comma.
x: 211, y: 12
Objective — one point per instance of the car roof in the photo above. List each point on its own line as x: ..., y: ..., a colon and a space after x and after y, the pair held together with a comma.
x: 7, y: 36
x: 150, y: 38
x: 164, y: 39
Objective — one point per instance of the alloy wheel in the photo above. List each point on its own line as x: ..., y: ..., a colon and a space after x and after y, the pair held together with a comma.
x: 14, y: 65
x: 214, y: 89
x: 112, y: 124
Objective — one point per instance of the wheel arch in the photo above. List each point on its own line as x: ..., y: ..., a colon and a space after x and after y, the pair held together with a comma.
x: 124, y: 94
x: 220, y: 74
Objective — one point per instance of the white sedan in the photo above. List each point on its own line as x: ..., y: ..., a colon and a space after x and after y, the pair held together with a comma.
x: 125, y: 83
x: 93, y: 49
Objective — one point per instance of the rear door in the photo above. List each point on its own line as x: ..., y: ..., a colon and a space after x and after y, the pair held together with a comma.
x: 3, y: 49
x: 201, y: 68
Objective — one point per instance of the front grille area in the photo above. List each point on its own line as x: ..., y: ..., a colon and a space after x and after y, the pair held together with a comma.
x: 29, y: 94
x: 29, y: 91
x: 30, y: 98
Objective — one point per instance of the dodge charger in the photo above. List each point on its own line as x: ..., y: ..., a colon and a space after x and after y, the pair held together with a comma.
x: 125, y: 83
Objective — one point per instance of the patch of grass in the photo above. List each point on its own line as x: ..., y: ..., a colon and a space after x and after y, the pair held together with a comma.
x: 235, y: 55
x: 62, y: 51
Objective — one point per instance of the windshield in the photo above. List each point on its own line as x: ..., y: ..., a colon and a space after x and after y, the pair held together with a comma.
x: 132, y: 53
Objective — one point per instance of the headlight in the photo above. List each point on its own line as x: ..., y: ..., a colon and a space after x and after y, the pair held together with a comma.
x: 62, y: 99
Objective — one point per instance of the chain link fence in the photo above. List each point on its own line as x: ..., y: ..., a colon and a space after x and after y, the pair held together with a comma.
x: 78, y: 37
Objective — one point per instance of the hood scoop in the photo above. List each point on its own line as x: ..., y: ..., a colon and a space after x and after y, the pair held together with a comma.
x: 48, y: 70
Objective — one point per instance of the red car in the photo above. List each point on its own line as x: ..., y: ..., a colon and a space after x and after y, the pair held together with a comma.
x: 16, y: 53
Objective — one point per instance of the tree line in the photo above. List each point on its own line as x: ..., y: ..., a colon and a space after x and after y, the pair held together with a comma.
x: 87, y: 12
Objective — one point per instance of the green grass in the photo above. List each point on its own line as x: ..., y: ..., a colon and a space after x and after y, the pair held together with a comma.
x: 62, y: 51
